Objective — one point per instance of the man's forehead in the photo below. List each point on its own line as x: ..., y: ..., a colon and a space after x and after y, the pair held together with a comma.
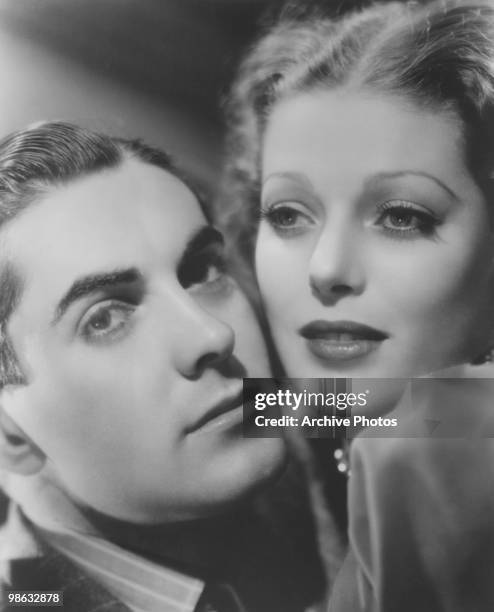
x: 132, y: 216
x: 107, y: 212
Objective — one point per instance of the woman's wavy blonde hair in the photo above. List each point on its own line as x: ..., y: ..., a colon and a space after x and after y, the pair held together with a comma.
x: 439, y: 55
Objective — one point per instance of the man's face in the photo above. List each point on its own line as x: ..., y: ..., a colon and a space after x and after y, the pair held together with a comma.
x: 134, y: 344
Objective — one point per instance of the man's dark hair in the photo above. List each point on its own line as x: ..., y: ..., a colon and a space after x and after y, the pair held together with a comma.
x: 33, y: 161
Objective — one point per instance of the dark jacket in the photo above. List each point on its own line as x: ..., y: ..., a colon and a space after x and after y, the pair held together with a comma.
x: 54, y: 572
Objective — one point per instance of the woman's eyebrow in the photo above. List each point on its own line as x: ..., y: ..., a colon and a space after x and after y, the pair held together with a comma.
x: 399, y: 173
x: 297, y: 177
x: 91, y: 283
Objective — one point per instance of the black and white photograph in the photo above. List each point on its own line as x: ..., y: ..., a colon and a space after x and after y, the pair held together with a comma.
x: 247, y: 305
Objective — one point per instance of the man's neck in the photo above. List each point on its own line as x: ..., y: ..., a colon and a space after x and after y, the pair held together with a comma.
x: 201, y: 546
x: 263, y: 548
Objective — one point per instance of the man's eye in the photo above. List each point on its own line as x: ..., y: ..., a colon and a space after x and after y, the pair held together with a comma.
x: 204, y: 270
x: 286, y: 219
x: 106, y: 321
x: 212, y: 274
x: 405, y: 220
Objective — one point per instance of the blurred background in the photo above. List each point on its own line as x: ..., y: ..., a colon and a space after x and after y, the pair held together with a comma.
x: 150, y: 68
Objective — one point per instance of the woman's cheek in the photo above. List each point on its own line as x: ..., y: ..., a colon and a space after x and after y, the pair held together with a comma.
x: 282, y: 266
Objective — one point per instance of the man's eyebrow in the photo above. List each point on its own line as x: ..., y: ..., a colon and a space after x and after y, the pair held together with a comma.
x: 94, y: 282
x: 205, y: 236
x: 431, y: 177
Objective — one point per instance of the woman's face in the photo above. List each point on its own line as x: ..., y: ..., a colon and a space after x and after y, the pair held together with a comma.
x: 375, y: 247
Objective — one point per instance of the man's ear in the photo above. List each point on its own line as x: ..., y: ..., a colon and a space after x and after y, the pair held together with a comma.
x: 18, y: 453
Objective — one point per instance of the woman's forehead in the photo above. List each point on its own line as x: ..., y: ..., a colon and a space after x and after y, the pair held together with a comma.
x: 353, y: 133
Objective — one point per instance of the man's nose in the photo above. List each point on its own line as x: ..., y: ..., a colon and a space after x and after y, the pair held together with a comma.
x: 337, y: 265
x: 201, y: 340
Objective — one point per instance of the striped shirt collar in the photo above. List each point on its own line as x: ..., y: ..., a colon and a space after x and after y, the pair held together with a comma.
x: 140, y: 584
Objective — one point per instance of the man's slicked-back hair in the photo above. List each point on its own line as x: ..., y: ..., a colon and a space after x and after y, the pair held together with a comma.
x: 37, y: 159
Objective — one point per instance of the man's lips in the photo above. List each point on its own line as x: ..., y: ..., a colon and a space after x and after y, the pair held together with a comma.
x: 341, y: 340
x: 225, y: 412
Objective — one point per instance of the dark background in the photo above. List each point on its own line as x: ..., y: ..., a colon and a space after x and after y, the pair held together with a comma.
x: 157, y: 69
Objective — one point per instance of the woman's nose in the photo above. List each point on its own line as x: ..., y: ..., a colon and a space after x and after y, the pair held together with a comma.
x: 201, y: 340
x: 336, y: 267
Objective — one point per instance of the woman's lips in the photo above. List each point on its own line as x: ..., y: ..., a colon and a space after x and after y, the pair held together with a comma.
x: 341, y: 340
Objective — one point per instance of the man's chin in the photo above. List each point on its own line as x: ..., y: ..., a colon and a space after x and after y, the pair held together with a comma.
x: 244, y: 476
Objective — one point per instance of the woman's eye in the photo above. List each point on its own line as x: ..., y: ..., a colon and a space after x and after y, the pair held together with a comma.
x: 405, y: 219
x: 285, y: 218
x: 106, y: 321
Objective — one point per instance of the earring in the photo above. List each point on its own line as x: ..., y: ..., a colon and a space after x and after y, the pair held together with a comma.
x: 342, y: 459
